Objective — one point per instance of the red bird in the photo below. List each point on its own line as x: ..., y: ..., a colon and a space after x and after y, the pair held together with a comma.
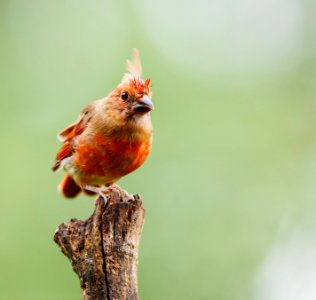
x: 111, y: 138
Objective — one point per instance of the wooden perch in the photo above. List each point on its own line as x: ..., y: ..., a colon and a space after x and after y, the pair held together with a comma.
x: 103, y: 250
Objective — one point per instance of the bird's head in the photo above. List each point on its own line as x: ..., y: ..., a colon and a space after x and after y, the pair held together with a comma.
x: 132, y: 97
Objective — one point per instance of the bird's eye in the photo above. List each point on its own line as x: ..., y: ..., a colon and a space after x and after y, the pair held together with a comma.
x: 124, y: 96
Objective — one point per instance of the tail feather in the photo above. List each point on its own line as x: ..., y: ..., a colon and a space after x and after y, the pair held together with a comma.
x: 68, y: 187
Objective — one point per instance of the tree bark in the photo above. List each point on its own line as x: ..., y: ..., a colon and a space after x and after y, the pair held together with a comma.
x: 103, y: 250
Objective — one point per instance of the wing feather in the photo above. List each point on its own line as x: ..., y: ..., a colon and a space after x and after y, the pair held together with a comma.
x: 68, y: 135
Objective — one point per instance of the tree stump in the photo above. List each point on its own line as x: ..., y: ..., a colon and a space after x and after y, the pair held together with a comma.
x: 103, y: 250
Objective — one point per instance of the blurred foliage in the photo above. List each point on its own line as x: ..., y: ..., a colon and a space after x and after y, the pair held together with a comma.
x: 234, y: 151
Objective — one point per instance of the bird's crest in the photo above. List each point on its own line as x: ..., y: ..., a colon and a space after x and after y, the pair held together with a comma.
x: 134, y: 66
x: 134, y: 73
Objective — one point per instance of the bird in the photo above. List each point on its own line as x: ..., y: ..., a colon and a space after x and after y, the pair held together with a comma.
x: 111, y: 138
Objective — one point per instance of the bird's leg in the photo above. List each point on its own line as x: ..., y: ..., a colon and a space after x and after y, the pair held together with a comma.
x: 103, y: 191
x: 98, y: 190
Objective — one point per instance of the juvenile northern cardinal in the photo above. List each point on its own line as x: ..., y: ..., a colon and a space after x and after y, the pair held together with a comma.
x: 111, y: 138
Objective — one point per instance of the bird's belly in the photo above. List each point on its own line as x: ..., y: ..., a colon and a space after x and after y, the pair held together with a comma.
x: 102, y: 161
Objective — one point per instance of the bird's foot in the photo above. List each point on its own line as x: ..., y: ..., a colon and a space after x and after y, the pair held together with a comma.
x: 120, y: 194
x: 98, y: 190
x: 124, y: 195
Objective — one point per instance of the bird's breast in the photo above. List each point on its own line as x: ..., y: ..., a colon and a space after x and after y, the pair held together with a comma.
x: 109, y: 158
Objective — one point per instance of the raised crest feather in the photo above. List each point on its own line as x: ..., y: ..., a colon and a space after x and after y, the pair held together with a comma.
x: 134, y: 66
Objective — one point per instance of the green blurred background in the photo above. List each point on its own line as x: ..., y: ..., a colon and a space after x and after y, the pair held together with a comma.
x: 229, y: 187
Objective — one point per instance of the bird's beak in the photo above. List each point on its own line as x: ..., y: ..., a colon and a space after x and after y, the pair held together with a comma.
x: 143, y: 105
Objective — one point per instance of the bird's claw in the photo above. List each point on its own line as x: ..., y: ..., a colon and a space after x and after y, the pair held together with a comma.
x: 118, y: 193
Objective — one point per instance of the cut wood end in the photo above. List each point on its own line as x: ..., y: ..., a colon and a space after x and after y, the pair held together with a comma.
x: 103, y: 250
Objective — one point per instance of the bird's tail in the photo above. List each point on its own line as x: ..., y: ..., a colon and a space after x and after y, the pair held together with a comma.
x: 68, y: 187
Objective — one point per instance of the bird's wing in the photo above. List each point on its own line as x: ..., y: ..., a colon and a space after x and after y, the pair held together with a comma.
x: 68, y: 135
